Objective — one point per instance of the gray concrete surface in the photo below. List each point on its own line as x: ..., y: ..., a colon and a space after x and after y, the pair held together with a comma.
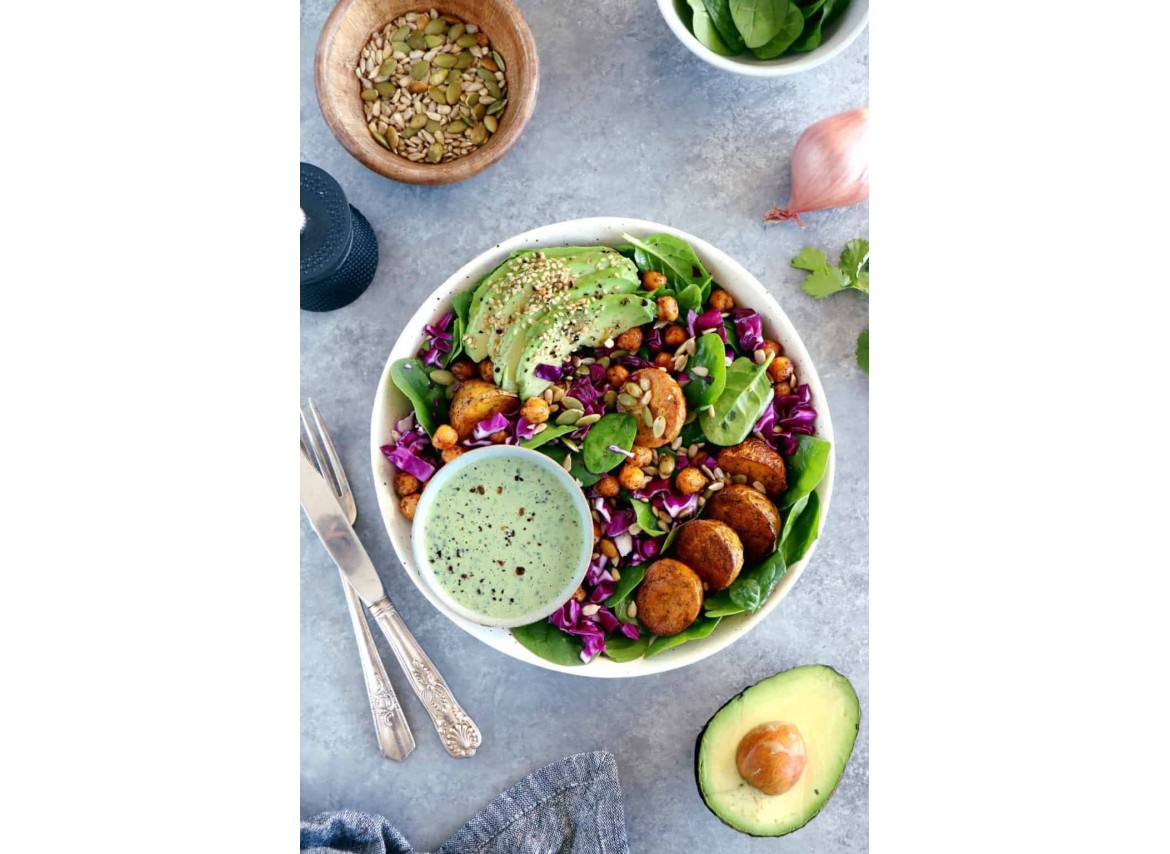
x: 628, y: 123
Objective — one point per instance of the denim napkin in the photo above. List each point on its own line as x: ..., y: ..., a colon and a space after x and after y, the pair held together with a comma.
x: 569, y: 807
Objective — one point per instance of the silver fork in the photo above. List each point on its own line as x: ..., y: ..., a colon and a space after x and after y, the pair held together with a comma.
x: 394, y: 737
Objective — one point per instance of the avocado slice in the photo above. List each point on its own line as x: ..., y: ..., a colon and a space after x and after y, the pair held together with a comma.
x: 505, y: 291
x: 590, y: 286
x: 586, y: 322
x: 822, y: 704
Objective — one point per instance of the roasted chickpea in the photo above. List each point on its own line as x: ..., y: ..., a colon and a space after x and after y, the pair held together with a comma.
x: 607, y: 487
x: 771, y: 348
x: 663, y: 360
x: 617, y: 375
x: 535, y: 410
x: 485, y: 371
x: 445, y: 437
x: 632, y: 477
x: 630, y: 340
x: 408, y: 504
x: 463, y: 369
x: 690, y: 480
x: 653, y: 280
x: 673, y: 335
x: 667, y: 308
x: 405, y: 484
x: 579, y: 595
x: 452, y: 454
x: 781, y: 389
x: 499, y: 437
x: 781, y: 370
x: 643, y: 456
x: 721, y: 300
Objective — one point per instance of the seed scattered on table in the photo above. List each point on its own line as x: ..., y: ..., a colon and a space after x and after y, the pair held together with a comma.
x: 431, y: 86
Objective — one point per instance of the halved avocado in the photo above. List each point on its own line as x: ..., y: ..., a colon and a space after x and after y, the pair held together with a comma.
x: 822, y: 705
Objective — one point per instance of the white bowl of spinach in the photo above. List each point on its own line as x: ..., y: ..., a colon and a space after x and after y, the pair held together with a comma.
x: 765, y: 38
x: 796, y: 424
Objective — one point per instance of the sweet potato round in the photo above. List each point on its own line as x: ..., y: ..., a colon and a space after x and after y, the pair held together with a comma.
x: 713, y: 550
x: 750, y: 514
x: 669, y: 598
x: 666, y: 401
x: 476, y: 400
x: 756, y: 461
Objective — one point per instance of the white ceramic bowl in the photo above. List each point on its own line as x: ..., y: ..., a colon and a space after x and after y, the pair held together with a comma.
x: 526, y: 457
x: 841, y: 34
x: 390, y: 405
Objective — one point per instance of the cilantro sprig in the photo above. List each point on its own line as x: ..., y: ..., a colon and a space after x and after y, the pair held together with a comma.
x: 851, y: 272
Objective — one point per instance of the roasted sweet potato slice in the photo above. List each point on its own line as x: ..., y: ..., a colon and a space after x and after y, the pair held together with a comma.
x: 476, y: 400
x: 666, y: 402
x: 669, y: 598
x: 713, y: 550
x: 750, y: 514
x: 756, y: 461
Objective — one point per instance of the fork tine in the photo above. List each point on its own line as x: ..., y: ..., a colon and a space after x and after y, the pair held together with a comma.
x: 318, y: 457
x: 334, y: 461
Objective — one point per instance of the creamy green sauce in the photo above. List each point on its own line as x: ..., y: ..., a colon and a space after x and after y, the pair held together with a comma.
x: 502, y: 537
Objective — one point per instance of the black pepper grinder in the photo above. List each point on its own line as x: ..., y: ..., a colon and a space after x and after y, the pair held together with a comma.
x: 339, y: 251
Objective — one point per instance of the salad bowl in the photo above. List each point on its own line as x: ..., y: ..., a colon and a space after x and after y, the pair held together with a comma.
x: 391, y: 406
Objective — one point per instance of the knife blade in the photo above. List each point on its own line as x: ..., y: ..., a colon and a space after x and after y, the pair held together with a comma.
x: 337, y: 535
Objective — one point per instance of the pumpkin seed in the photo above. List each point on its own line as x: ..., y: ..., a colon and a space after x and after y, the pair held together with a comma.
x: 632, y: 389
x: 455, y: 32
x: 569, y: 416
x: 479, y: 111
x: 439, y: 96
x: 401, y: 34
x: 479, y: 134
x: 491, y: 123
x: 433, y: 41
x: 417, y: 41
x: 435, y: 26
x: 419, y: 121
x: 392, y: 136
x: 648, y: 417
x: 497, y: 107
x: 388, y: 67
x: 485, y: 75
x: 499, y: 61
x: 381, y: 139
x: 445, y: 60
x: 386, y: 89
x: 454, y: 90
x: 586, y: 420
x: 493, y: 87
x: 439, y: 76
x: 466, y: 40
x: 409, y: 133
x: 464, y: 60
x: 400, y: 47
x: 435, y: 153
x: 420, y: 70
x: 472, y: 99
x: 666, y: 466
x: 457, y: 127
x: 570, y: 402
x: 442, y: 377
x: 625, y: 400
x: 369, y: 94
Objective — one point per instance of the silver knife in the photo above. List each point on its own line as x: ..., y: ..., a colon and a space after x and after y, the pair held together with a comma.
x: 458, y: 732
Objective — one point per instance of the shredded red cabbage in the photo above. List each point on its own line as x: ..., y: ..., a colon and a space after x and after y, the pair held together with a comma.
x: 438, y: 342
x: 551, y: 373
x: 487, y: 426
x: 410, y: 452
x: 525, y: 429
x: 619, y: 523
x: 788, y: 416
x: 709, y: 321
x: 653, y: 340
x: 677, y: 505
x: 748, y: 329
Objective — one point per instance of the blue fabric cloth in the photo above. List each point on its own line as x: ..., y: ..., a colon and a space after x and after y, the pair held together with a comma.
x: 569, y: 807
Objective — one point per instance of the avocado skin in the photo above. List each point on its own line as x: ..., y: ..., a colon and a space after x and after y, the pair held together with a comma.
x: 699, y: 781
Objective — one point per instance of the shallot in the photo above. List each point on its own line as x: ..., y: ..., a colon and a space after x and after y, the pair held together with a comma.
x: 830, y: 166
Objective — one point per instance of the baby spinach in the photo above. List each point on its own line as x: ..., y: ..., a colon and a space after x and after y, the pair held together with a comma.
x: 429, y: 399
x: 689, y: 298
x: 700, y: 628
x: 549, y: 642
x: 647, y: 521
x: 758, y: 20
x: 800, y: 528
x: 577, y: 468
x: 791, y: 27
x: 671, y: 256
x: 805, y: 469
x: 720, y: 14
x: 617, y: 429
x: 552, y: 431
x: 621, y: 648
x: 706, y: 32
x: 732, y: 337
x: 672, y: 536
x: 631, y: 577
x: 745, y: 396
x: 693, y: 432
x: 711, y: 357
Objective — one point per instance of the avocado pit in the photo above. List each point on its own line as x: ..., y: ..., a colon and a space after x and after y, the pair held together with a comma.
x: 771, y: 757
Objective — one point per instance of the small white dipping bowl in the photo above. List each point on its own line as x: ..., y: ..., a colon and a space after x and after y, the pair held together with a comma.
x: 522, y: 456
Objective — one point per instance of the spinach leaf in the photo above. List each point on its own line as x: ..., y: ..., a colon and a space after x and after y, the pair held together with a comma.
x: 815, y: 22
x: 689, y: 298
x: 693, y: 432
x: 647, y: 521
x: 758, y: 20
x: 809, y: 9
x: 616, y: 428
x: 790, y: 29
x: 626, y: 249
x: 805, y: 469
x: 631, y: 577
x: 720, y: 14
x: 621, y: 648
x: 671, y: 537
x: 549, y: 642
x: 801, y: 528
x: 428, y: 399
x: 577, y: 471
x: 671, y: 256
x: 711, y: 357
x: 700, y: 628
x: 745, y: 396
x: 705, y: 31
x: 553, y: 431
x: 732, y: 338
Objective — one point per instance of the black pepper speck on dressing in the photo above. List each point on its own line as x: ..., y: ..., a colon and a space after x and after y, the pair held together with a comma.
x: 502, y: 537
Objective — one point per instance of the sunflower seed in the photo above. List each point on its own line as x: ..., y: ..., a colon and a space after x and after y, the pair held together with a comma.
x: 644, y: 384
x: 759, y: 487
x: 700, y: 371
x: 590, y: 610
x: 645, y: 401
x: 567, y: 463
x: 659, y: 426
x: 632, y: 611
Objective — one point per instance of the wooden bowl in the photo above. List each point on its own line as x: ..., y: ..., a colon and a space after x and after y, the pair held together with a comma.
x: 346, y: 32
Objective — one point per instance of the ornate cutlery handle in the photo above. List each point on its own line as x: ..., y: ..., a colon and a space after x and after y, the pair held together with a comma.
x: 394, y: 736
x: 458, y: 732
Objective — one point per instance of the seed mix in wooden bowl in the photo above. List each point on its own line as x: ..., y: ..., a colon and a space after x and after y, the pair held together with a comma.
x: 432, y: 87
